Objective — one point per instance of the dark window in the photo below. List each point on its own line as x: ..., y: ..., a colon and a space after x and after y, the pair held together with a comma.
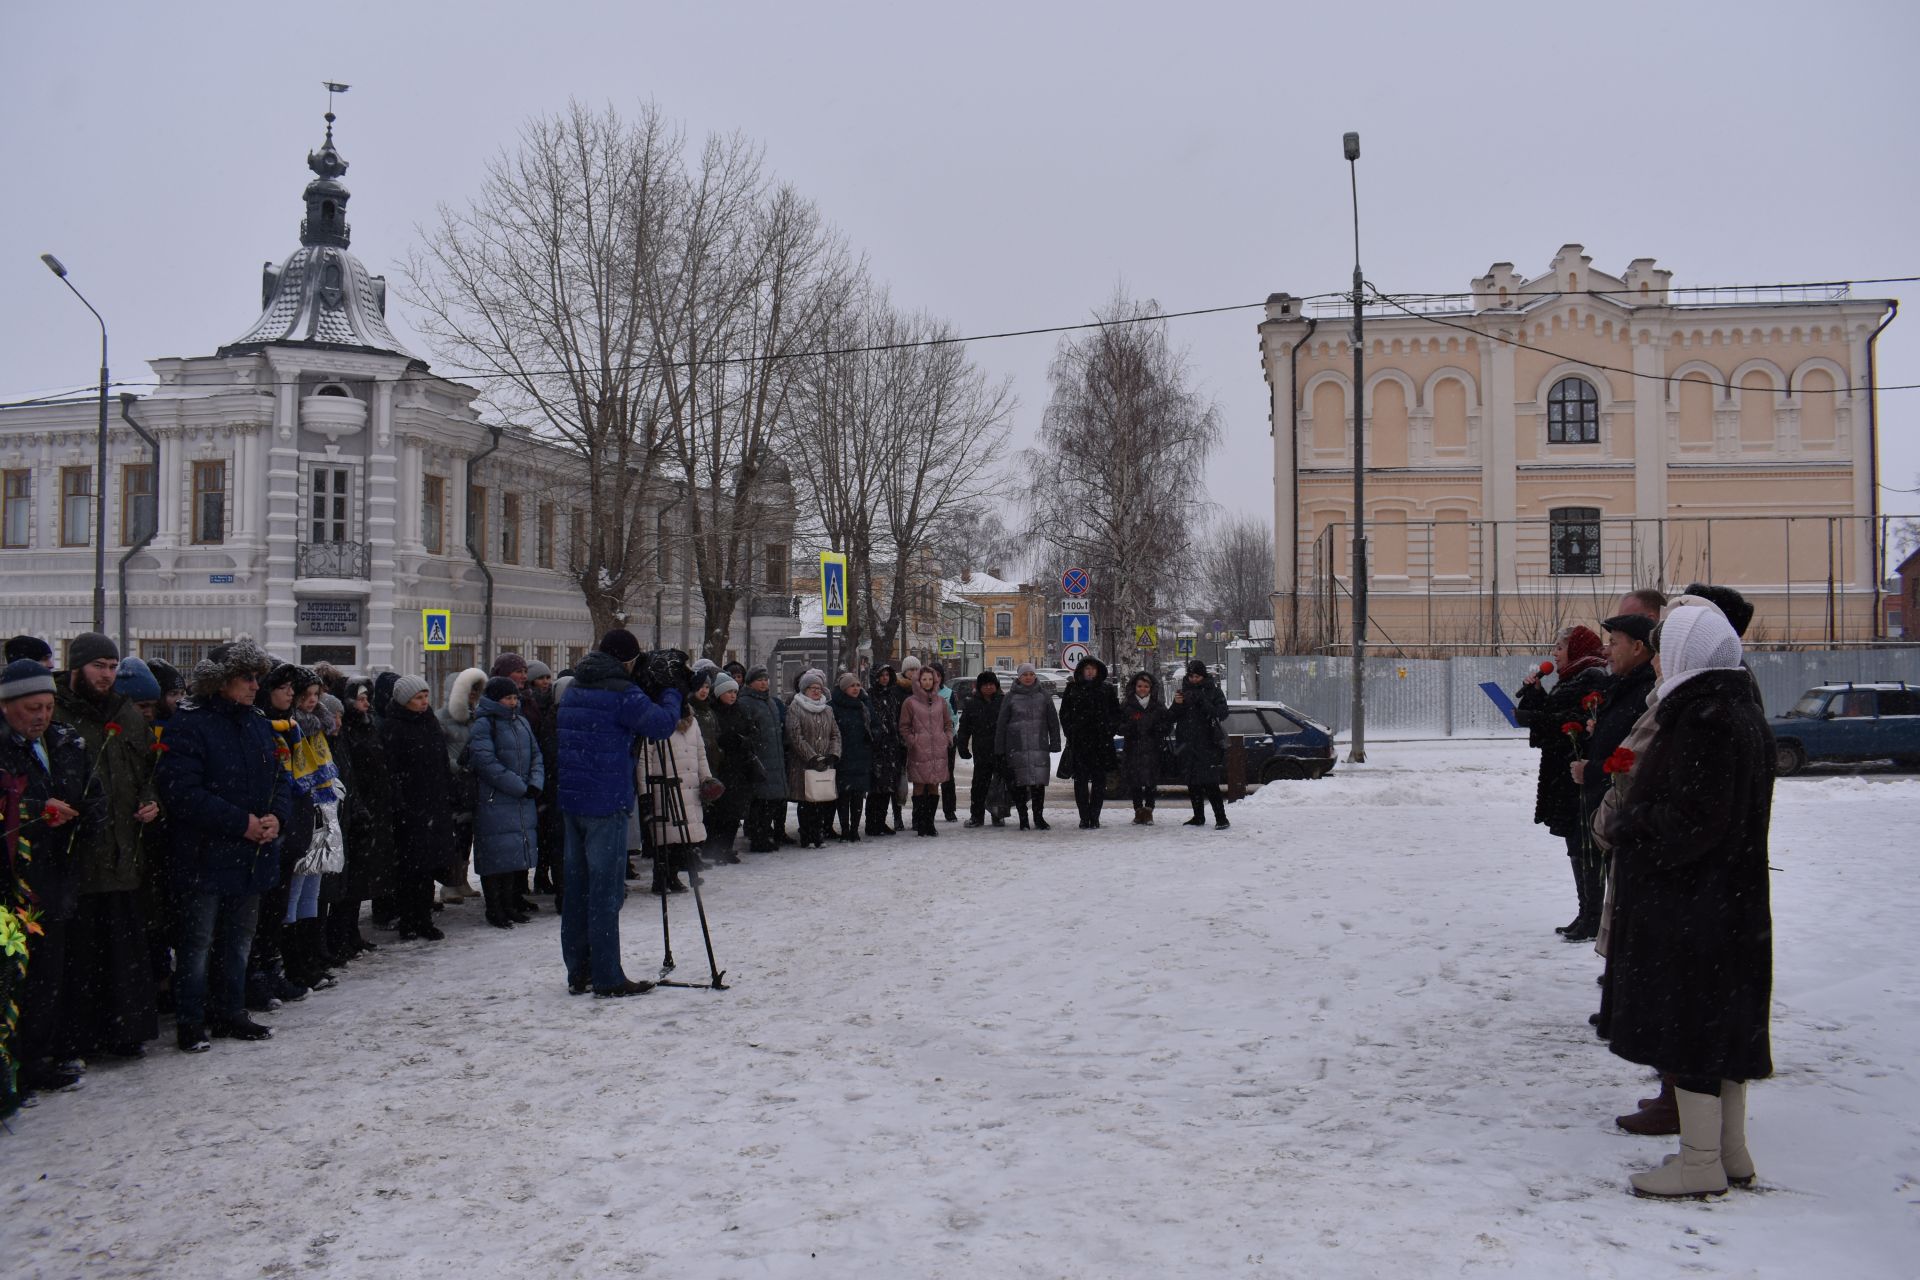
x: 76, y: 506
x: 1279, y: 723
x: 327, y: 521
x: 776, y: 558
x: 1573, y: 412
x: 340, y: 655
x: 1575, y: 535
x: 209, y: 503
x: 433, y: 506
x: 1246, y: 722
x: 137, y: 510
x: 510, y: 528
x: 543, y: 539
x: 181, y: 653
x: 1002, y: 626
x: 16, y: 512
x: 1900, y: 702
x: 476, y: 520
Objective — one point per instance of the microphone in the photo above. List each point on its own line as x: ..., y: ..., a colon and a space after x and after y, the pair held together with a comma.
x: 1546, y: 668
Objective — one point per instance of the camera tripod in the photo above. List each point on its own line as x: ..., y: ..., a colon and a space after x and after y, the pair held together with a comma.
x: 670, y: 810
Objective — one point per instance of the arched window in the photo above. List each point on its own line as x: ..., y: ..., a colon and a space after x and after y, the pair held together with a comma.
x: 1573, y: 412
x: 1574, y: 545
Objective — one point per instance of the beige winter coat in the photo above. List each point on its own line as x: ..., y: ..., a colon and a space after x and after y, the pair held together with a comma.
x: 688, y: 756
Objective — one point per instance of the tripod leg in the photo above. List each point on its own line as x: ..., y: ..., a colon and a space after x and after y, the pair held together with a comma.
x: 666, y: 939
x: 713, y: 966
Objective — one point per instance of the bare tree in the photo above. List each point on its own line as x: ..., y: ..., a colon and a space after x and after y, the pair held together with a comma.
x: 535, y: 285
x: 1117, y: 484
x: 743, y: 292
x: 893, y: 440
x: 1235, y: 565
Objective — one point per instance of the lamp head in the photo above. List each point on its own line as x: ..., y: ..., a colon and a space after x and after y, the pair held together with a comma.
x: 1350, y: 143
x: 54, y: 265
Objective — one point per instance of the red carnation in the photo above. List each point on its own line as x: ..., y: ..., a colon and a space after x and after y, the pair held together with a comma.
x: 1589, y: 702
x: 1573, y: 726
x: 112, y: 728
x: 1621, y: 761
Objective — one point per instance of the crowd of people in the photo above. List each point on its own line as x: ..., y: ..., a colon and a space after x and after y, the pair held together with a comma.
x: 1656, y: 771
x: 219, y: 843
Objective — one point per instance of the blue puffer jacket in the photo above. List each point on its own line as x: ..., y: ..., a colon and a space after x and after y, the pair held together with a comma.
x: 506, y: 761
x: 219, y: 768
x: 603, y: 712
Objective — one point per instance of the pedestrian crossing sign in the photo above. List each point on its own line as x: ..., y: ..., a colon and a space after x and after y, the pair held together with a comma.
x: 1146, y: 637
x: 948, y: 646
x: 1183, y: 646
x: 436, y: 630
x: 833, y: 589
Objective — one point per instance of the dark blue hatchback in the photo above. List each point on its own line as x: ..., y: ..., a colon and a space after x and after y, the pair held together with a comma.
x: 1877, y: 721
x: 1282, y: 743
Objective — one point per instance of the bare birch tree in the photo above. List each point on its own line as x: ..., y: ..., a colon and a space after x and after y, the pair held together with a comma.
x: 1116, y: 484
x: 535, y: 285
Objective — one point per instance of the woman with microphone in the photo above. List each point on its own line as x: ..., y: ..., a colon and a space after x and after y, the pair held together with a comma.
x: 1556, y: 723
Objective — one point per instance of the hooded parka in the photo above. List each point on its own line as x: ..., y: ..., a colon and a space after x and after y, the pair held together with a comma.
x: 422, y: 785
x: 1089, y: 715
x: 1196, y: 720
x: 1143, y: 729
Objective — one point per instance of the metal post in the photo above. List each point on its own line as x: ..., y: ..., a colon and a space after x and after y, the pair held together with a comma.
x: 1357, y: 742
x: 100, y: 455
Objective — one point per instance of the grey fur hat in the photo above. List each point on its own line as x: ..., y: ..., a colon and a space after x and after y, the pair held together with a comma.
x: 237, y: 657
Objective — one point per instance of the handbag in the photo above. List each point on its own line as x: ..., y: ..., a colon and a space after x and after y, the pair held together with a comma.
x: 999, y: 797
x: 819, y: 786
x: 327, y: 853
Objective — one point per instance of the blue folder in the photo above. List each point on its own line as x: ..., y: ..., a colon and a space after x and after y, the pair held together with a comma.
x: 1500, y: 700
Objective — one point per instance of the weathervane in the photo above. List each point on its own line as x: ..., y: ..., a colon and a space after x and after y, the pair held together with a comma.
x: 333, y: 87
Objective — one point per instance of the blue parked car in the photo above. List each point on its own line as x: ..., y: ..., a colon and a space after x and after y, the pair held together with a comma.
x: 1849, y: 721
x: 1282, y: 743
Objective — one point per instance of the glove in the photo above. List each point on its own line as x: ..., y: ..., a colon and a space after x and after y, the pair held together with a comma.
x: 965, y: 754
x: 833, y: 762
x: 533, y: 792
x: 712, y: 789
x: 820, y: 764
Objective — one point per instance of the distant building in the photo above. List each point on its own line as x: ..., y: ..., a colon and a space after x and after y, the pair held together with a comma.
x: 317, y: 487
x: 1903, y: 600
x: 1534, y: 447
x: 1013, y: 616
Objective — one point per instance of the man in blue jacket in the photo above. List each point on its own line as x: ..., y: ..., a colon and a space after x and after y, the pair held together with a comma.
x: 227, y: 798
x: 601, y: 717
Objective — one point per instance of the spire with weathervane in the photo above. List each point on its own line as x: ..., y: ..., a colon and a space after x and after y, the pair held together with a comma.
x: 326, y: 220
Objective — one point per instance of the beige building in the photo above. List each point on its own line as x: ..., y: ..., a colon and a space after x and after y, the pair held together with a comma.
x: 1536, y: 446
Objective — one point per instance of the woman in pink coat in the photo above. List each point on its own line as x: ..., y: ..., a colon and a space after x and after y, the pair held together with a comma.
x: 926, y: 727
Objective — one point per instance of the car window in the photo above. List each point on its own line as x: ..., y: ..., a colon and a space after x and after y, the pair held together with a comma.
x: 1900, y: 702
x: 1247, y: 722
x: 1280, y: 723
x: 1811, y: 706
x: 1854, y: 704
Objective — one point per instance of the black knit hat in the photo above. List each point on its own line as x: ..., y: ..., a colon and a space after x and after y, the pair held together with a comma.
x: 24, y: 646
x: 620, y: 645
x: 167, y: 674
x: 500, y: 687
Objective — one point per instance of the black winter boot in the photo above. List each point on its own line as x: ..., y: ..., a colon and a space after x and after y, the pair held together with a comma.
x: 1039, y: 795
x: 496, y: 910
x: 1199, y: 818
x: 1220, y: 822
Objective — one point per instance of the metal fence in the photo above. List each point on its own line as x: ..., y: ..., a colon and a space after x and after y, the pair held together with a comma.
x: 1502, y: 586
x: 1443, y: 696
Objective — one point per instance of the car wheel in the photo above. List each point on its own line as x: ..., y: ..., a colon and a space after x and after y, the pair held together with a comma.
x: 1281, y: 771
x: 1789, y: 758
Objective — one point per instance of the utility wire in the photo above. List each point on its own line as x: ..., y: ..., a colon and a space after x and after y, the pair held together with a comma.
x: 1395, y: 302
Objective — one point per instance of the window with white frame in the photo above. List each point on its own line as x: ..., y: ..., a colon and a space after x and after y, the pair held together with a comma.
x: 1573, y: 412
x: 16, y: 509
x: 329, y: 515
x: 76, y: 506
x: 1574, y: 541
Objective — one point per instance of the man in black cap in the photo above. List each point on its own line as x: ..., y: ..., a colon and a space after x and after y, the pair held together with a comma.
x: 110, y: 979
x: 1630, y: 659
x: 32, y: 648
x: 601, y: 718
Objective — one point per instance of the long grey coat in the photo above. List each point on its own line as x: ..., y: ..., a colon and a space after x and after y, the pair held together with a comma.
x: 1028, y: 733
x: 809, y: 734
x: 506, y: 761
x: 769, y: 745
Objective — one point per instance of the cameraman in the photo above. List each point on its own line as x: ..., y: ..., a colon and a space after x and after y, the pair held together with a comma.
x: 604, y: 712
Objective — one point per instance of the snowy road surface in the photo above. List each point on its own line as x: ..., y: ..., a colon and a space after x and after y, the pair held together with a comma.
x: 1338, y: 1040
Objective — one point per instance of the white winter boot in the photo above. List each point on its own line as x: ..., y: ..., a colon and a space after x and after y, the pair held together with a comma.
x: 1695, y: 1173
x: 1733, y: 1133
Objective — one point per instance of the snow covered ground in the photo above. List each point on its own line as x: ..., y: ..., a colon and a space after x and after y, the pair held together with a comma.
x: 1338, y: 1040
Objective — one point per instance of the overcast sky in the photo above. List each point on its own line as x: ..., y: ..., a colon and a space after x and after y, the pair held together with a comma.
x: 1004, y: 166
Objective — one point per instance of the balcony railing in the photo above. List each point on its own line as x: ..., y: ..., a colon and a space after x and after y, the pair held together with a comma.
x: 333, y: 560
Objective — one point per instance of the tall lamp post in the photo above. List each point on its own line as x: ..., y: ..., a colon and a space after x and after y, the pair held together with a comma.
x: 1357, y: 745
x: 100, y: 454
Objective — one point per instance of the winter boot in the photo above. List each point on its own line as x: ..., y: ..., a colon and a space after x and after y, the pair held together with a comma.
x: 1140, y: 818
x: 933, y: 814
x: 1020, y: 805
x: 519, y: 896
x: 1695, y: 1172
x: 1734, y: 1157
x: 496, y: 911
x: 1657, y: 1116
x: 1585, y: 925
x: 1039, y: 802
x: 1220, y: 822
x: 241, y: 1028
x: 1199, y: 818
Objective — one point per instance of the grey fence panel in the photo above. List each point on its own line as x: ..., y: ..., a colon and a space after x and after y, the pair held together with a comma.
x: 1442, y: 696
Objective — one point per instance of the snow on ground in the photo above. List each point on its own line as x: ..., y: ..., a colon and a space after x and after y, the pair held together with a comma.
x: 1339, y: 1040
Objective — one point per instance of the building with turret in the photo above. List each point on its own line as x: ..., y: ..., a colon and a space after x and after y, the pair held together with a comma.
x: 316, y: 485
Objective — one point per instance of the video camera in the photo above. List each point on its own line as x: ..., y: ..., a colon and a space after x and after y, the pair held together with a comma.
x: 664, y: 669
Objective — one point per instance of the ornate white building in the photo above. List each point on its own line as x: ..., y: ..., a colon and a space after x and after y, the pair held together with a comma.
x: 315, y: 485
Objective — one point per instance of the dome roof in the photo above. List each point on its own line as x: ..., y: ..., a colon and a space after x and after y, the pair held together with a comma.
x: 322, y: 296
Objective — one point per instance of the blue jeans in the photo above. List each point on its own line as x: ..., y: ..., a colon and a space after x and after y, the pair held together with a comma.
x: 596, y: 880
x: 303, y: 898
x: 220, y: 927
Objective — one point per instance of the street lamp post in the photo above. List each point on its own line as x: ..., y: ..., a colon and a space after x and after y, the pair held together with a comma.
x: 1357, y: 745
x: 100, y: 454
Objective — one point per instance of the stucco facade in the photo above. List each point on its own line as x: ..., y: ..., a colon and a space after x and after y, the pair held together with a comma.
x: 1535, y: 446
x: 1013, y: 618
